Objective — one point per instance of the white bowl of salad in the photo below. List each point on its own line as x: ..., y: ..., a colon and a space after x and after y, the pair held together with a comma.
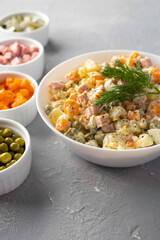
x: 106, y: 106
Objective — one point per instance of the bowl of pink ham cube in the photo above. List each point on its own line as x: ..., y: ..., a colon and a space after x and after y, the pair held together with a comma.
x: 22, y: 54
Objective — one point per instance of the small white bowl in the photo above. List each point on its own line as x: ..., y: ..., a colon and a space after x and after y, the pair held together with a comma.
x: 34, y: 67
x: 40, y: 34
x: 13, y: 176
x: 26, y: 112
x: 106, y: 157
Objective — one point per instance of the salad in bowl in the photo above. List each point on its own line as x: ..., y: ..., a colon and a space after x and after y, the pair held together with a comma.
x: 108, y: 101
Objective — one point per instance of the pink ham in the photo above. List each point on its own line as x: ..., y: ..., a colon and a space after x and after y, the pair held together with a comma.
x: 16, y: 48
x: 94, y: 93
x: 3, y: 49
x: 108, y: 128
x: 82, y: 98
x: 56, y: 85
x: 102, y: 120
x: 3, y: 60
x: 33, y: 48
x: 34, y: 55
x: 25, y: 50
x: 93, y: 110
x: 16, y: 61
x: 83, y: 88
x: 8, y: 55
x: 26, y: 58
x: 140, y: 102
x: 146, y: 62
x: 87, y: 113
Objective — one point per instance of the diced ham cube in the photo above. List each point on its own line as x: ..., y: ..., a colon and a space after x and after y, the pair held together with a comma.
x: 56, y: 85
x: 33, y: 48
x: 108, y: 128
x: 24, y: 50
x: 83, y: 88
x: 93, y: 110
x: 146, y: 62
x: 94, y: 94
x: 1, y: 59
x: 26, y: 58
x: 82, y: 98
x: 102, y: 120
x: 16, y: 61
x: 34, y: 55
x: 140, y: 102
x: 16, y: 48
x: 3, y: 49
x: 8, y: 55
x: 87, y: 113
x: 4, y: 61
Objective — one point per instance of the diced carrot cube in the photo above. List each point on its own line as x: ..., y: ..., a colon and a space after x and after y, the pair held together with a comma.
x: 156, y: 75
x: 132, y: 58
x: 2, y: 94
x: 19, y: 101
x: 9, y: 80
x: 15, y: 84
x: 2, y: 86
x: 24, y: 92
x: 26, y: 84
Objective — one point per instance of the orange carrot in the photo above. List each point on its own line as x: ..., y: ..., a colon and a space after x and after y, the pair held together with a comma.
x: 62, y: 124
x: 156, y: 75
x: 132, y: 58
x: 71, y: 107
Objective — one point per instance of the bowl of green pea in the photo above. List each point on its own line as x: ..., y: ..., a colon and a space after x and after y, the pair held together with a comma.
x: 15, y: 155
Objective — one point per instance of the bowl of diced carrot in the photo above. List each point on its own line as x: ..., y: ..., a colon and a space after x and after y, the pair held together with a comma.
x: 18, y: 97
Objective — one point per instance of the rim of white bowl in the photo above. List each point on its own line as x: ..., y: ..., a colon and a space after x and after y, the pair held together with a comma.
x: 31, y: 79
x: 21, y: 39
x: 27, y: 143
x: 44, y: 117
x: 36, y: 13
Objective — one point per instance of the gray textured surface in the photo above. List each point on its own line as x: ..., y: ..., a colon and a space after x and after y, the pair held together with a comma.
x: 66, y: 197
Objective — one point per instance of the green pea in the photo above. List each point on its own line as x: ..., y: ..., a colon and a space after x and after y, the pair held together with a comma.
x: 20, y: 150
x: 1, y: 139
x: 8, y: 140
x: 12, y: 154
x: 10, y: 163
x: 6, y: 132
x: 3, y: 147
x: 5, y: 157
x: 1, y: 130
x: 15, y: 136
x: 17, y: 156
x: 14, y: 147
x: 2, y: 168
x: 20, y: 141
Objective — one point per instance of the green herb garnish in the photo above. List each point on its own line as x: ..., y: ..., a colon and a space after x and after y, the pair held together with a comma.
x: 138, y: 83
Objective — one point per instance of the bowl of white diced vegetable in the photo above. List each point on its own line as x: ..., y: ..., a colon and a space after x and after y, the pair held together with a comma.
x: 30, y: 24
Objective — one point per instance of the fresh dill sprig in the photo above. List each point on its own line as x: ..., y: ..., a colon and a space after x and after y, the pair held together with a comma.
x: 137, y: 83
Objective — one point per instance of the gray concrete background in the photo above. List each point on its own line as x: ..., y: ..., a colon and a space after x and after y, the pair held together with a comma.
x: 66, y: 197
